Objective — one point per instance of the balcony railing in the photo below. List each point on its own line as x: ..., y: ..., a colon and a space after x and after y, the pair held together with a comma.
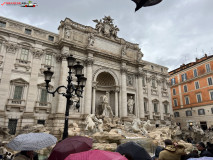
x: 16, y: 103
x: 156, y: 114
x: 39, y: 106
x: 22, y: 63
x: 146, y: 112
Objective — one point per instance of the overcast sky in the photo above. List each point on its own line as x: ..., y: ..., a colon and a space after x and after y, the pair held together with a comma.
x: 170, y: 33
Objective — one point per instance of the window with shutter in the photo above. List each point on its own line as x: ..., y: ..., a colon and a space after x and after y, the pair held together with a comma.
x: 24, y: 54
x: 195, y: 72
x: 197, y: 86
x: 155, y: 107
x: 48, y: 59
x: 209, y: 81
x: 165, y: 108
x: 211, y: 95
x: 43, y: 97
x: 208, y: 69
x: 18, y: 92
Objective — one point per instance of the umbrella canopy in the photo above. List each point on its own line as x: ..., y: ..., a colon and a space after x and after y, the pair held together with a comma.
x: 32, y: 141
x: 96, y: 155
x: 70, y: 145
x: 136, y: 151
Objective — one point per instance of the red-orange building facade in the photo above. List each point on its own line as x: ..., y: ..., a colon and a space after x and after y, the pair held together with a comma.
x: 192, y: 93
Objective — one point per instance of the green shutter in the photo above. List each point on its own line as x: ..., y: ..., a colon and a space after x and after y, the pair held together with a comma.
x: 18, y: 92
x: 43, y: 96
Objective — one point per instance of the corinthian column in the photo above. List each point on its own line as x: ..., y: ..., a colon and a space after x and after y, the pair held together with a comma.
x: 116, y: 101
x: 93, y: 97
x: 123, y: 92
x: 62, y: 81
x: 32, y: 95
x: 88, y: 88
x: 9, y: 50
x: 140, y: 95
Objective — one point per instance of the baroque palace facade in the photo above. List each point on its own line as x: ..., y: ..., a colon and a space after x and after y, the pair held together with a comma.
x: 111, y: 64
x: 192, y: 93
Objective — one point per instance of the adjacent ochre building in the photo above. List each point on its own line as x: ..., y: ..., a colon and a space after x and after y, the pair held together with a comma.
x: 192, y: 93
x: 111, y: 64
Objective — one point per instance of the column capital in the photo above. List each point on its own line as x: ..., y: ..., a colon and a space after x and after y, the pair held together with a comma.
x: 37, y: 53
x: 94, y: 85
x: 89, y: 61
x: 123, y: 70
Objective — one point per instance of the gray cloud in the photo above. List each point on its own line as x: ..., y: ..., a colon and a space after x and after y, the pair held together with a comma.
x: 170, y: 33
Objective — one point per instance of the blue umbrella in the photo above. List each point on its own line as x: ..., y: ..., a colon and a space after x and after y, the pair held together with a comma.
x: 136, y: 151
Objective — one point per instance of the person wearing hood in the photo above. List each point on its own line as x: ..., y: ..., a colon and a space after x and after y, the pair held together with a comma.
x: 171, y: 152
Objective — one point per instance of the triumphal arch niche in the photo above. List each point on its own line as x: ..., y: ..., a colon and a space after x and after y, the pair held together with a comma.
x: 116, y: 74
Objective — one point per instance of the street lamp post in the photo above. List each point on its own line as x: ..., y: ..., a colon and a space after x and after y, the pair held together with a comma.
x: 71, y: 89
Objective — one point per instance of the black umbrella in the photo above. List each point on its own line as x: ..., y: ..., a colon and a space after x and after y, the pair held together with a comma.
x: 145, y: 3
x: 136, y: 151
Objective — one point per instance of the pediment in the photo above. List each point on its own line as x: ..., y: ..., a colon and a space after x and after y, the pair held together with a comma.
x: 19, y: 80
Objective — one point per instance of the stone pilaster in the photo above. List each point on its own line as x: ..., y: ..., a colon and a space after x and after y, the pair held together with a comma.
x: 93, y: 98
x: 161, y: 107
x: 151, y: 109
x: 88, y: 88
x: 32, y: 92
x: 116, y: 102
x: 123, y: 92
x: 141, y: 98
x: 63, y: 79
x: 10, y: 56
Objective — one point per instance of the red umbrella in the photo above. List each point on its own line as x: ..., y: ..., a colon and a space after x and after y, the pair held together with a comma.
x: 96, y: 155
x: 70, y: 145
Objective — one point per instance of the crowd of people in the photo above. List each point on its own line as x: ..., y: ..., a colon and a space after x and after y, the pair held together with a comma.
x: 175, y: 151
x: 171, y: 151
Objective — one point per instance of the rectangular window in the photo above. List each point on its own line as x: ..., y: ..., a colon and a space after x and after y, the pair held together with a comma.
x: 197, y: 86
x: 166, y: 108
x: 212, y: 110
x: 209, y: 81
x: 2, y: 24
x: 201, y: 112
x: 51, y: 38
x: 145, y: 106
x: 199, y: 98
x: 41, y: 122
x: 12, y: 124
x: 153, y: 83
x: 177, y: 114
x: 175, y: 102
x: 24, y: 54
x: 185, y: 88
x: 173, y: 81
x: 184, y: 77
x: 208, y: 69
x: 43, y: 97
x: 48, y: 59
x: 195, y: 72
x: 211, y: 95
x: 155, y: 107
x: 28, y: 31
x: 174, y: 91
x: 186, y: 100
x: 188, y: 113
x: 18, y: 92
x: 161, y: 69
x: 143, y: 81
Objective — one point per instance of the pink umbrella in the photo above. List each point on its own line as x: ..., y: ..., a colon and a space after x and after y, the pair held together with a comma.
x: 96, y: 155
